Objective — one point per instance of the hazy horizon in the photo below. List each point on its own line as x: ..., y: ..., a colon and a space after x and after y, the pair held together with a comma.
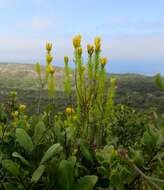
x: 114, y: 67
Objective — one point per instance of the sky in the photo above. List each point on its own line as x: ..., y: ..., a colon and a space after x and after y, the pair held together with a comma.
x: 132, y: 31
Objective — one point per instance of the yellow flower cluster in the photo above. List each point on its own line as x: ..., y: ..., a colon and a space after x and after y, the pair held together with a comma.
x: 97, y: 44
x: 90, y: 49
x: 13, y: 93
x: 22, y: 107
x: 51, y: 69
x: 69, y: 110
x: 77, y: 41
x: 103, y: 61
x: 15, y: 114
x: 66, y: 59
x: 79, y: 51
x: 48, y: 47
x: 49, y: 58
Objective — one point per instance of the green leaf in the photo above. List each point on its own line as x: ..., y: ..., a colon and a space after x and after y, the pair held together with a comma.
x: 22, y: 159
x: 11, y: 167
x: 38, y: 173
x: 65, y: 174
x: 39, y: 131
x: 24, y: 139
x: 85, y: 151
x: 52, y: 151
x: 85, y: 183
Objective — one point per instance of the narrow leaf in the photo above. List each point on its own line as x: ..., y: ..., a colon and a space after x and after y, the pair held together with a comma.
x: 38, y: 173
x: 52, y: 151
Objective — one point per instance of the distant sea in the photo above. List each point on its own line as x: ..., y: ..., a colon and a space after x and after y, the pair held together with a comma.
x: 118, y: 66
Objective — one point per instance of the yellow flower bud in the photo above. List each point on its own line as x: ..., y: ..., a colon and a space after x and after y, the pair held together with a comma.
x: 66, y: 59
x: 103, y: 61
x: 97, y: 44
x: 90, y: 49
x: 48, y: 47
x: 51, y: 70
x: 14, y: 113
x: 77, y: 41
x: 22, y: 108
x: 49, y: 58
x: 13, y: 93
x: 69, y: 110
x: 79, y: 51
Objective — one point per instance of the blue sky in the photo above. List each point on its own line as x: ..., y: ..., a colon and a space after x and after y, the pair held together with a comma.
x: 132, y: 31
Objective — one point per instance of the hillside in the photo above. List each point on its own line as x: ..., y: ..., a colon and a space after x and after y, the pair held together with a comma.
x: 132, y: 89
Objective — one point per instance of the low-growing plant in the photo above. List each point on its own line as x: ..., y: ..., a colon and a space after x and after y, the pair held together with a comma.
x: 92, y: 144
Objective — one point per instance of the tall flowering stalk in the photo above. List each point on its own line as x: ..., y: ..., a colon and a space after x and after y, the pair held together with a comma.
x: 67, y: 79
x: 91, y: 92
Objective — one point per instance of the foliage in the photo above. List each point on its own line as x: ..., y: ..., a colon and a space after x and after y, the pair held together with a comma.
x: 91, y: 144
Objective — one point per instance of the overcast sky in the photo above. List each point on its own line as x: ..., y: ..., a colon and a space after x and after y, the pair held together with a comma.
x: 132, y: 31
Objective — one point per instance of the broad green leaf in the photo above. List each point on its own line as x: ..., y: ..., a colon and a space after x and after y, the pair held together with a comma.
x: 38, y: 132
x: 22, y: 159
x: 85, y: 183
x: 52, y: 151
x: 65, y: 175
x: 85, y: 151
x: 24, y: 139
x: 38, y: 173
x: 11, y: 167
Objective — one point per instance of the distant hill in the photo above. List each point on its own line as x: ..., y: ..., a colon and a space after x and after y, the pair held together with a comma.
x: 132, y: 89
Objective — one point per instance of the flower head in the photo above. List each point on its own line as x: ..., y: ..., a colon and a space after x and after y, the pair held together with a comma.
x: 51, y: 69
x: 13, y: 93
x: 49, y: 58
x: 66, y: 59
x: 90, y: 49
x: 22, y: 107
x: 103, y: 61
x: 48, y: 47
x: 79, y: 51
x: 76, y: 41
x: 15, y: 114
x: 69, y: 110
x: 97, y: 44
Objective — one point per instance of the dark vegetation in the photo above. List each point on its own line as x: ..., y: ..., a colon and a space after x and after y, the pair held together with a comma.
x: 134, y: 90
